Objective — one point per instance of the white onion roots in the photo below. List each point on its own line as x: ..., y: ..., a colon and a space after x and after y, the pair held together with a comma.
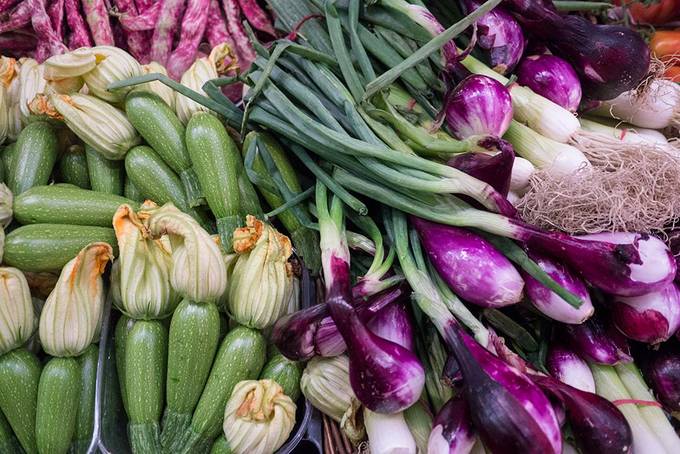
x: 630, y: 187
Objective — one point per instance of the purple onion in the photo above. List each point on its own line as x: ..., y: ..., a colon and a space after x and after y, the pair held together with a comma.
x: 552, y: 78
x: 626, y: 264
x: 661, y: 369
x: 674, y: 244
x: 500, y: 35
x: 597, y: 425
x: 309, y: 332
x: 385, y: 377
x: 452, y: 430
x: 508, y: 410
x: 394, y: 323
x: 548, y: 302
x: 566, y: 366
x: 495, y: 170
x: 592, y: 342
x: 650, y: 318
x: 475, y: 270
x: 478, y: 106
x: 609, y: 59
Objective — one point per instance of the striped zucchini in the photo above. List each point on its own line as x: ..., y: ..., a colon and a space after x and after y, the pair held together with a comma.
x: 57, y: 406
x: 123, y: 328
x: 193, y: 339
x: 73, y: 167
x: 221, y: 446
x: 48, y: 247
x: 67, y: 205
x: 19, y: 378
x: 130, y: 191
x: 285, y: 372
x: 85, y: 415
x: 105, y: 175
x: 145, y: 361
x: 8, y: 441
x: 8, y: 155
x: 35, y: 155
x: 161, y: 129
x: 240, y: 357
x: 216, y: 161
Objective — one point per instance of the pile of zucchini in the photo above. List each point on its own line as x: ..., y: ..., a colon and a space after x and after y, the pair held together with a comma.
x: 177, y: 373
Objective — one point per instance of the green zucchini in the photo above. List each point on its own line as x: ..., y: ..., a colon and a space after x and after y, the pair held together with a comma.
x: 2, y: 170
x: 285, y: 372
x: 105, y: 175
x: 216, y: 161
x: 154, y: 178
x: 145, y: 361
x: 67, y: 205
x: 8, y: 155
x: 48, y: 247
x: 85, y: 415
x: 240, y: 357
x: 19, y: 377
x: 8, y: 441
x: 221, y: 446
x: 131, y: 191
x: 224, y: 325
x: 36, y: 153
x: 161, y: 129
x: 193, y: 339
x: 57, y: 407
x: 73, y: 167
x: 123, y: 328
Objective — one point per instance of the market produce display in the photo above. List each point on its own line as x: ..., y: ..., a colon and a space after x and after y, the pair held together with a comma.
x: 450, y: 227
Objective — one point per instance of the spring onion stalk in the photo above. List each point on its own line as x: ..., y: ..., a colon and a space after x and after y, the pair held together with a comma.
x: 434, y: 353
x: 653, y: 415
x: 610, y: 386
x: 598, y: 260
x: 419, y: 420
x: 543, y: 152
x: 630, y: 134
x: 388, y: 434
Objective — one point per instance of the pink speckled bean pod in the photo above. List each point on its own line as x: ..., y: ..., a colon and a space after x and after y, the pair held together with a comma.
x: 56, y: 13
x: 193, y: 26
x: 145, y: 20
x: 256, y: 16
x: 97, y: 18
x: 137, y: 42
x: 80, y: 35
x: 244, y: 49
x: 161, y: 43
x: 18, y: 18
x: 49, y: 43
x: 216, y: 29
x: 143, y: 5
x: 17, y: 43
x: 6, y: 5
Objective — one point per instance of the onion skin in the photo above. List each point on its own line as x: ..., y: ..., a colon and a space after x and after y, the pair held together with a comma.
x: 552, y: 78
x: 478, y: 106
x: 393, y: 323
x: 547, y: 301
x: 470, y: 265
x: 651, y: 318
x: 661, y: 369
x: 452, y: 431
x: 494, y: 170
x: 569, y: 368
x: 592, y: 342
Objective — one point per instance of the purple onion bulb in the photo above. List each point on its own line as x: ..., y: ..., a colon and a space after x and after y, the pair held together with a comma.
x: 452, y: 430
x: 551, y: 77
x: 566, y: 366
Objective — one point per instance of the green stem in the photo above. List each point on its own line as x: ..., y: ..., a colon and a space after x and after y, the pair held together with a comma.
x: 563, y: 5
x: 341, y: 53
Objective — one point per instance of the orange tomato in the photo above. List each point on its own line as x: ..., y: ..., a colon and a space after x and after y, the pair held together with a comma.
x: 665, y: 44
x: 672, y: 73
x: 656, y: 13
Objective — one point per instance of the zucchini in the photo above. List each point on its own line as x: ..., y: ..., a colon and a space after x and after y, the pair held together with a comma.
x: 285, y: 372
x: 131, y: 191
x: 145, y: 358
x: 161, y: 129
x: 240, y: 357
x: 221, y: 446
x: 19, y: 377
x: 67, y: 205
x: 48, y: 247
x: 216, y: 161
x: 73, y: 167
x: 8, y: 441
x: 154, y: 178
x: 123, y: 328
x: 193, y: 339
x: 2, y: 170
x: 34, y: 158
x: 85, y: 415
x: 105, y: 175
x: 8, y: 155
x: 57, y: 407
